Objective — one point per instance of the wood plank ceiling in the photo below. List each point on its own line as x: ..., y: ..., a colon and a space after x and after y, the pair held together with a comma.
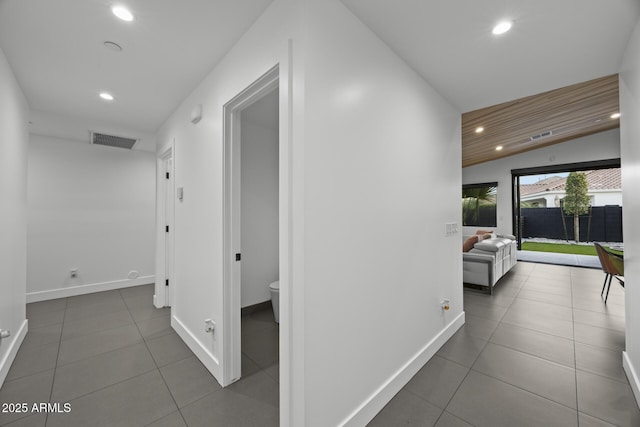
x: 567, y: 113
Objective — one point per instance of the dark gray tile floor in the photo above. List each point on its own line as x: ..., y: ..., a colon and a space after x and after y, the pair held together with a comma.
x: 543, y: 350
x: 116, y: 360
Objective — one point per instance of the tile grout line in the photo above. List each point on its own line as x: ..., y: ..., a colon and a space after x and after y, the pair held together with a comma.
x: 55, y: 367
x: 124, y: 380
x: 93, y: 391
x: 573, y: 322
x: 575, y: 356
x: 474, y: 362
x: 155, y: 363
x: 97, y: 332
x: 538, y: 357
x: 576, y: 361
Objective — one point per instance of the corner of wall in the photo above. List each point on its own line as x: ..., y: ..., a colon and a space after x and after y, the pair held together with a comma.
x: 197, y: 347
x: 14, y: 142
x: 374, y: 404
x: 632, y: 376
x: 13, y: 342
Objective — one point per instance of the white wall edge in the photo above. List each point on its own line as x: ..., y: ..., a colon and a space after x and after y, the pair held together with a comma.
x: 88, y: 289
x: 202, y: 353
x: 10, y: 356
x: 369, y: 408
x: 632, y: 376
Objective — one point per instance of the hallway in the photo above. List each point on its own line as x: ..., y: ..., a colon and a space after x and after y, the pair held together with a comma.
x: 117, y: 361
x: 543, y: 350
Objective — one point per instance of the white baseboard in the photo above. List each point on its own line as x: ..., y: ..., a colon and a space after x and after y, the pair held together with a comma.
x: 632, y: 376
x: 9, y: 356
x: 369, y: 408
x: 87, y: 289
x: 206, y: 357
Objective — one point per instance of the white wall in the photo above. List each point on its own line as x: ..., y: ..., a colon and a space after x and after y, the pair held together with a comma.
x: 198, y: 165
x: 604, y: 198
x: 14, y: 141
x: 598, y: 197
x: 600, y: 146
x: 630, y: 135
x: 364, y: 140
x: 91, y: 208
x: 377, y: 262
x: 259, y: 210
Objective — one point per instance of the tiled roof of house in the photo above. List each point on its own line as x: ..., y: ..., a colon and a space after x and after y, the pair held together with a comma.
x: 601, y: 179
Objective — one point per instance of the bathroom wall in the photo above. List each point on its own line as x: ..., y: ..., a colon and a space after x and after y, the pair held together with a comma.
x: 259, y: 211
x: 14, y: 142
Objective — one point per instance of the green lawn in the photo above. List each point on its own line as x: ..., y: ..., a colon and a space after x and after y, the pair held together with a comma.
x: 561, y: 248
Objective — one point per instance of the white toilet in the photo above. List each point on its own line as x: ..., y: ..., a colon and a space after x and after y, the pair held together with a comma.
x: 274, y: 287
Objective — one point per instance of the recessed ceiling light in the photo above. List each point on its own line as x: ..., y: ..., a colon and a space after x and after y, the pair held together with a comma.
x: 113, y: 46
x: 499, y: 148
x: 106, y: 96
x: 479, y: 129
x: 615, y: 116
x: 122, y: 13
x: 502, y: 27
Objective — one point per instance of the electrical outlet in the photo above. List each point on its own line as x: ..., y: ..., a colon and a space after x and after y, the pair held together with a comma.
x: 209, y: 326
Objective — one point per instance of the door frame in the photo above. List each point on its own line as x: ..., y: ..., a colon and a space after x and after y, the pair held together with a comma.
x: 539, y: 170
x: 232, y: 353
x: 165, y: 217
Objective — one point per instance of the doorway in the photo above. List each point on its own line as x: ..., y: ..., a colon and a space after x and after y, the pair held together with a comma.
x: 259, y: 227
x: 164, y: 256
x: 253, y: 253
x: 543, y: 223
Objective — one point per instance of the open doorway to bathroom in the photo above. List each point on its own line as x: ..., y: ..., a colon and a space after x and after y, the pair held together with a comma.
x: 252, y: 235
x: 259, y: 236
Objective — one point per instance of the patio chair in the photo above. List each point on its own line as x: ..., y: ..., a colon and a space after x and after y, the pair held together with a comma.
x: 613, y: 265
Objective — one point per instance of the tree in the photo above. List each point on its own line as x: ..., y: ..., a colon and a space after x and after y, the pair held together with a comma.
x: 472, y: 198
x: 576, y: 202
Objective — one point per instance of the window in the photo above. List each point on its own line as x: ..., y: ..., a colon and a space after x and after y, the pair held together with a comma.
x: 479, y: 204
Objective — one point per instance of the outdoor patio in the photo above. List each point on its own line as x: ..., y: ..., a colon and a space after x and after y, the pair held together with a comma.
x: 587, y: 261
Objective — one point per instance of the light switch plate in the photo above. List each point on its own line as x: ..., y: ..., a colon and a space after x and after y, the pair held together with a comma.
x: 451, y: 228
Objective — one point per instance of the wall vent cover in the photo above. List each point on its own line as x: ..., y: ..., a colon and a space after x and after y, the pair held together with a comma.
x: 112, y: 140
x: 542, y: 135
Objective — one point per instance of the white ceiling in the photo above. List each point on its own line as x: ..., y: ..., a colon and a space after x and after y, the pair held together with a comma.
x: 56, y: 49
x: 553, y: 43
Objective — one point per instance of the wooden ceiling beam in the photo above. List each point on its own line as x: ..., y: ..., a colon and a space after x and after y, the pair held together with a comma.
x: 569, y: 112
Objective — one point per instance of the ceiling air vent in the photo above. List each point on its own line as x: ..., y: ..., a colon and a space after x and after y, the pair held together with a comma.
x: 542, y: 135
x: 112, y: 140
